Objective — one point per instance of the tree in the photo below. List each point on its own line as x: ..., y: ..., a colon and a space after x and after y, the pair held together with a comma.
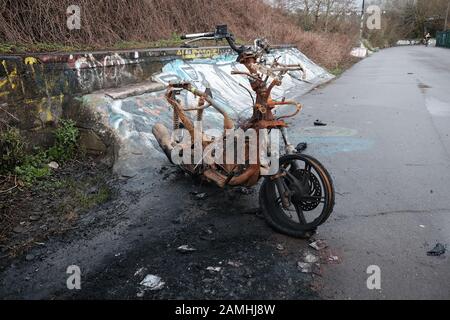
x: 324, y: 15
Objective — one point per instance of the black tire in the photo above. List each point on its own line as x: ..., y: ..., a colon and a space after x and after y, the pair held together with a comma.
x: 275, y: 214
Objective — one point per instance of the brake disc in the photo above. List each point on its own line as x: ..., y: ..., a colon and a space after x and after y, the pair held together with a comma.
x: 312, y: 188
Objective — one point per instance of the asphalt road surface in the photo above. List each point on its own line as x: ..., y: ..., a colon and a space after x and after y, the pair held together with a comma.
x: 394, y: 182
x: 387, y: 147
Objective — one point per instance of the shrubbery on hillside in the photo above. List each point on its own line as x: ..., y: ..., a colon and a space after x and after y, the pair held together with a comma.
x: 109, y: 24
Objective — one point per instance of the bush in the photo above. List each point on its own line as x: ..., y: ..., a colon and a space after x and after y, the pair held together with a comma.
x: 129, y: 23
x: 29, y: 168
x: 12, y: 149
x: 66, y: 138
x: 33, y: 168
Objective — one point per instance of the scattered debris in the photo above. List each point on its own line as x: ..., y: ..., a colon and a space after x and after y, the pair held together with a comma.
x: 53, y: 165
x: 305, y: 267
x: 139, y: 272
x: 318, y: 245
x: 438, y: 250
x: 280, y: 247
x: 152, y: 282
x: 235, y: 264
x: 214, y: 269
x: 310, y: 258
x: 186, y: 249
x: 333, y: 259
x: 140, y: 294
x: 201, y: 196
x: 319, y: 123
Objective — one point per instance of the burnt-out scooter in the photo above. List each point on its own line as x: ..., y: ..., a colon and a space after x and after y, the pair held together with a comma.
x: 296, y: 197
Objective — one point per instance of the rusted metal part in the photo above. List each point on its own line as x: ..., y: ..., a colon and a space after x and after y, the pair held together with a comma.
x: 201, y: 106
x: 278, y: 175
x: 178, y: 109
x: 258, y: 75
x: 248, y: 178
x: 163, y: 137
x: 176, y: 120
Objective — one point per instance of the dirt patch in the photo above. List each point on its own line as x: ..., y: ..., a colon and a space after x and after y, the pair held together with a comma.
x: 139, y: 232
x: 236, y: 257
x: 30, y: 215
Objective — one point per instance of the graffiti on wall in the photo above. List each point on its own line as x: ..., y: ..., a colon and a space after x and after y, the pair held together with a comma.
x: 140, y: 113
x: 232, y: 91
x: 92, y: 72
x: 38, y: 85
x: 9, y: 80
x: 50, y: 75
x: 132, y: 118
x: 201, y: 53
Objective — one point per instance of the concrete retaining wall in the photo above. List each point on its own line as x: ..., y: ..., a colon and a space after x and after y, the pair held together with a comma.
x: 36, y: 90
x: 94, y: 89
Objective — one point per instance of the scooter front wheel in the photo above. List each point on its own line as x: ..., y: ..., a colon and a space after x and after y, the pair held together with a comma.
x: 308, y: 197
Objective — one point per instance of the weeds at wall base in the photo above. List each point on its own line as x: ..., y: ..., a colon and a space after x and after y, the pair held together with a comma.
x: 31, y: 167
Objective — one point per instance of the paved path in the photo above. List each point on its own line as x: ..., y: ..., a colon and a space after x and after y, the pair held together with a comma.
x: 394, y: 180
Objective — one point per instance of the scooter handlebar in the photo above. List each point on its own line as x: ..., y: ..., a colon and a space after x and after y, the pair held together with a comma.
x: 198, y: 35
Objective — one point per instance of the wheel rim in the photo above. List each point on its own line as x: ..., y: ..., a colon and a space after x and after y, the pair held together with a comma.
x: 309, y: 200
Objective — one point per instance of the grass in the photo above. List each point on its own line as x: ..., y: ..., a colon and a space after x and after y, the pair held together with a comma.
x: 173, y: 41
x: 11, y: 48
x: 31, y: 167
x: 81, y: 195
x: 59, y: 200
x: 337, y: 71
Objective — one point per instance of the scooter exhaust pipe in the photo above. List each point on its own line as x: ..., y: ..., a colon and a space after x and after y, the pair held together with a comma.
x: 163, y: 137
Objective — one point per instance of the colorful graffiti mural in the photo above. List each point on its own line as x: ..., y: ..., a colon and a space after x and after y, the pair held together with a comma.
x: 232, y: 91
x: 36, y: 88
x: 132, y: 118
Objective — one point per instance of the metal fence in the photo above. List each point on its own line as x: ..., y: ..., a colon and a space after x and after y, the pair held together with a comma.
x: 443, y: 39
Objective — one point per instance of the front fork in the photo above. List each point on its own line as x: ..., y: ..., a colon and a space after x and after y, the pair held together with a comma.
x: 278, y: 179
x: 289, y: 148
